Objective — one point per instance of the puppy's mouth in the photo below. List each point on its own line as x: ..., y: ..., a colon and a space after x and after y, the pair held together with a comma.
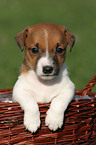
x: 47, y: 77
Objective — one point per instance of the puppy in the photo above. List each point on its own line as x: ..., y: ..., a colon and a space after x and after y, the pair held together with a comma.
x: 43, y: 75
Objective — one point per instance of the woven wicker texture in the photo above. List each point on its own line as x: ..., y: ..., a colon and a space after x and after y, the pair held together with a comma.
x: 79, y: 124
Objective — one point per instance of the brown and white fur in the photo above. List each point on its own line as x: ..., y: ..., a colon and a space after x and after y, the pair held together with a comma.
x: 43, y: 74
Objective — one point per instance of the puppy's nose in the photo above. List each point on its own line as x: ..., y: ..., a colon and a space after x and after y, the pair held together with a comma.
x: 47, y: 69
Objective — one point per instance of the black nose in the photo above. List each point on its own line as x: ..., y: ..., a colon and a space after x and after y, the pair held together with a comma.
x: 47, y: 69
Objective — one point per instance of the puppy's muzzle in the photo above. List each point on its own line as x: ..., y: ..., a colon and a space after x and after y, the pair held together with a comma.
x: 47, y: 70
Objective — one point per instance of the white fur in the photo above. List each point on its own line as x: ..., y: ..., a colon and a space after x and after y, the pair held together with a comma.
x: 46, y: 39
x: 29, y: 90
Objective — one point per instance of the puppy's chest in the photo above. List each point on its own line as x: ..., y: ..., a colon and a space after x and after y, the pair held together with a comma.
x: 43, y: 93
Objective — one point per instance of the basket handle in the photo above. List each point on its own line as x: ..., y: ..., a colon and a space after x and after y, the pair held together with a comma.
x: 87, y: 89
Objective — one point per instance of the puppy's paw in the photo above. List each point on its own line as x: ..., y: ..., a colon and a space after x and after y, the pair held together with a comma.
x: 54, y: 120
x: 32, y: 121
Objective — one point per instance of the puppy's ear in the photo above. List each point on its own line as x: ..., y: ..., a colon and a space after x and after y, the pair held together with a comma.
x: 70, y: 38
x: 20, y: 38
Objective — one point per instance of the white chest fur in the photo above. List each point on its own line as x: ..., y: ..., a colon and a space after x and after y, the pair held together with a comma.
x: 43, y: 91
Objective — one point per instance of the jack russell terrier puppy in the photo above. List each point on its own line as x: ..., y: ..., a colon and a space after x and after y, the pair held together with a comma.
x: 43, y: 74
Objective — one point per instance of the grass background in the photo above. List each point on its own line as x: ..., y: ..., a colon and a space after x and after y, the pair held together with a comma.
x: 78, y: 16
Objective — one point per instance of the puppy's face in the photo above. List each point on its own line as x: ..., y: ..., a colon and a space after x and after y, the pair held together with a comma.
x: 45, y: 48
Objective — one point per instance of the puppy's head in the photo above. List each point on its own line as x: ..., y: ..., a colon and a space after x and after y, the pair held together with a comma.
x: 45, y: 48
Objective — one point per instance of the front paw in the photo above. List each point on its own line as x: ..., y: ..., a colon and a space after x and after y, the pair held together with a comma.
x: 32, y: 121
x: 54, y: 120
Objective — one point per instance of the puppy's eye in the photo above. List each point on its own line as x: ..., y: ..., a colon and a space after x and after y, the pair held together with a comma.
x: 35, y: 50
x: 59, y: 50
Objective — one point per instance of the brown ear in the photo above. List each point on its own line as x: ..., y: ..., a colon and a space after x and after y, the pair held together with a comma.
x: 70, y: 38
x: 20, y: 38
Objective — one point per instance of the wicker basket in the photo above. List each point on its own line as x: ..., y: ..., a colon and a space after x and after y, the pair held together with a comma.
x: 79, y: 125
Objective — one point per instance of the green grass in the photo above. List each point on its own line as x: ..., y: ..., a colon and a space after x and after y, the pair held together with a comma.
x: 78, y: 16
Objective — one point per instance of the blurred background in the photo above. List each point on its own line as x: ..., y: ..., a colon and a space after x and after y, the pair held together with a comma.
x: 78, y: 16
